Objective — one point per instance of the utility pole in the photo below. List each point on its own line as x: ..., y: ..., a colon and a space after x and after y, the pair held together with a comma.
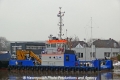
x: 60, y: 14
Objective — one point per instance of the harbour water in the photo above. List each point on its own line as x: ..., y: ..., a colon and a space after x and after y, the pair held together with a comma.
x: 36, y: 75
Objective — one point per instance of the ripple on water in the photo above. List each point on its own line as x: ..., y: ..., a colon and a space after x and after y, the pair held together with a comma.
x: 18, y: 75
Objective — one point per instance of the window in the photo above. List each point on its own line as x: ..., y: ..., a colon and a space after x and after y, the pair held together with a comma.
x: 38, y: 47
x: 92, y: 54
x: 47, y: 45
x: 53, y: 45
x: 80, y: 55
x: 43, y: 47
x: 34, y: 47
x: 106, y: 54
x: 19, y: 47
x: 59, y: 57
x: 115, y: 54
x: 13, y: 49
x: 67, y: 57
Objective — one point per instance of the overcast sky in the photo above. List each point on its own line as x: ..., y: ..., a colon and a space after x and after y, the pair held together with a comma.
x: 29, y: 20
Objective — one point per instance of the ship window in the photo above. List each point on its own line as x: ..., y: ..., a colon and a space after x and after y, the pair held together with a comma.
x: 53, y: 57
x: 67, y: 57
x: 53, y: 45
x: 49, y: 57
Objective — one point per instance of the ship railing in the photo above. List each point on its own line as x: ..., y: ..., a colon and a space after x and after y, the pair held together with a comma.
x: 52, y: 51
x: 85, y: 63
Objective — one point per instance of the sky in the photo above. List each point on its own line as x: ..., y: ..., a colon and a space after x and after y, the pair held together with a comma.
x: 35, y: 20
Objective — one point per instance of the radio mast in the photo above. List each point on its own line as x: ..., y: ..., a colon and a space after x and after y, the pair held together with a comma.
x: 91, y: 39
x: 60, y: 14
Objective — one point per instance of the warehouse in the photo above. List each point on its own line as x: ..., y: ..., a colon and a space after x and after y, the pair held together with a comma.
x: 36, y: 47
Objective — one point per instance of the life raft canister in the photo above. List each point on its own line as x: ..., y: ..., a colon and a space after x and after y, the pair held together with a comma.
x: 62, y: 49
x: 59, y: 49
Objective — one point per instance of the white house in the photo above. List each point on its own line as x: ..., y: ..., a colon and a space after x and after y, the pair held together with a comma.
x: 100, y: 50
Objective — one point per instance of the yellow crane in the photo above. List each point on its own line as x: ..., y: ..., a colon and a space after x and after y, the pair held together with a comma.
x: 21, y: 55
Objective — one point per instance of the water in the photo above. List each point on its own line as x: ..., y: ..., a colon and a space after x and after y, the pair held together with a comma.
x: 36, y: 75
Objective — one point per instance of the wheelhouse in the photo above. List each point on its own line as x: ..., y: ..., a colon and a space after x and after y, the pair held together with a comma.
x: 56, y: 46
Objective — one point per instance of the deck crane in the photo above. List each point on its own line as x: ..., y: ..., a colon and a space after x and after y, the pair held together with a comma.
x: 21, y: 55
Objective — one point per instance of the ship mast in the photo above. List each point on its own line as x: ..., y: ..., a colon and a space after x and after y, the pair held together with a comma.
x: 60, y: 24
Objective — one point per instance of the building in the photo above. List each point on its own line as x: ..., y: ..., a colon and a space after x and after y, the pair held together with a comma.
x: 36, y: 47
x: 110, y: 43
x: 100, y: 49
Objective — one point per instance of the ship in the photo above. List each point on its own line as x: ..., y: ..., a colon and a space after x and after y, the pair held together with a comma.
x: 5, y: 56
x: 59, y: 58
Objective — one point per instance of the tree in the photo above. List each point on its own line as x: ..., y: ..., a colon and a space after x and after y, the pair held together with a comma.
x: 4, y: 44
x: 74, y: 38
x: 118, y: 57
x: 89, y: 41
x: 72, y: 41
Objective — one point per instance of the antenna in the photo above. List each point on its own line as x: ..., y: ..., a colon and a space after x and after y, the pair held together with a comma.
x: 60, y: 14
x: 91, y: 39
x: 66, y: 33
x: 91, y: 29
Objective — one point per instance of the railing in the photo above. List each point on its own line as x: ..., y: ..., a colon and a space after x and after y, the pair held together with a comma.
x: 52, y: 51
x: 85, y: 63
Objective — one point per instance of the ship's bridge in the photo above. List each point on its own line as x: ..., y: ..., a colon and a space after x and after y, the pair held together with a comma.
x: 56, y: 46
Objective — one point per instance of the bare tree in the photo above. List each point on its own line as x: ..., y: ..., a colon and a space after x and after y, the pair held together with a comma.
x: 89, y: 41
x: 4, y: 44
x: 76, y: 38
